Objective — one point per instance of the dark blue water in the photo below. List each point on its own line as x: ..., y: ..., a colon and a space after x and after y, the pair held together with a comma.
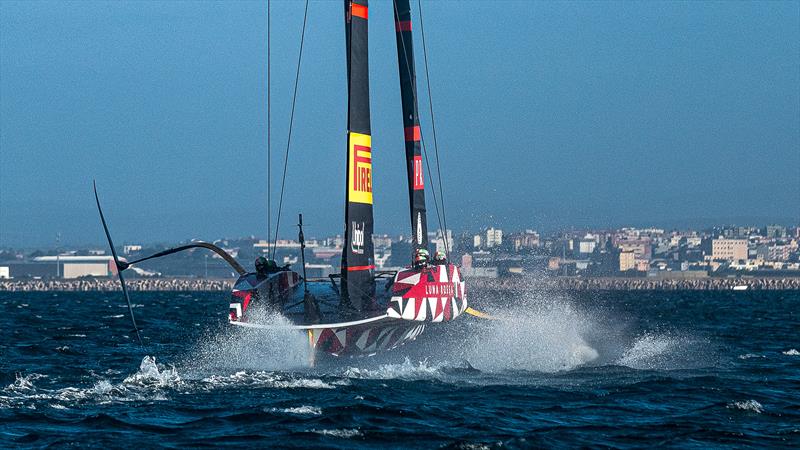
x: 622, y: 369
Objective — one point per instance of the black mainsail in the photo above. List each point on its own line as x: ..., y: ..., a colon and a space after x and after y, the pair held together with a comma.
x: 408, y: 92
x: 358, y: 285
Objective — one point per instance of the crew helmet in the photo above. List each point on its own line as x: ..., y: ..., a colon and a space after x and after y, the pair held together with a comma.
x: 261, y: 264
x: 439, y: 256
x: 421, y: 255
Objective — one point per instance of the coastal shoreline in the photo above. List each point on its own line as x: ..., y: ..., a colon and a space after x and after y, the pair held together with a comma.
x: 516, y: 283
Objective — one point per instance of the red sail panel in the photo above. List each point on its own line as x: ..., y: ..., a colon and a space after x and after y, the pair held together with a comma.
x: 358, y: 259
x: 408, y: 92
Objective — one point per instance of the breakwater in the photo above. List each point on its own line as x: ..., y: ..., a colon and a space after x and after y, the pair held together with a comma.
x: 97, y: 284
x: 515, y: 283
x: 637, y: 284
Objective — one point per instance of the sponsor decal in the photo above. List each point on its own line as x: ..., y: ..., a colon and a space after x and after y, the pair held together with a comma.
x: 403, y: 25
x: 357, y: 239
x: 413, y: 133
x: 357, y: 10
x: 419, y: 228
x: 359, y: 175
x: 235, y: 311
x: 418, y: 181
x: 439, y: 290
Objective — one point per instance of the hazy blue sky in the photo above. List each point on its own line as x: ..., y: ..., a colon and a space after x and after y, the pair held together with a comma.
x: 549, y: 115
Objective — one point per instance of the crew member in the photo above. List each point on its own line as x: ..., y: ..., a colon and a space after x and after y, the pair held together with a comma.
x: 265, y: 267
x: 439, y: 258
x: 267, y: 290
x: 421, y: 258
x: 261, y: 267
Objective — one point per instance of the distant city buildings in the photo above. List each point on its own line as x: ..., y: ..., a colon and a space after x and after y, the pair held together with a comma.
x: 466, y: 261
x: 584, y: 246
x: 526, y: 240
x: 731, y: 250
x: 494, y: 237
x: 641, y: 248
x: 128, y: 249
x: 439, y: 243
x: 627, y: 261
x: 72, y: 266
x: 477, y: 241
x: 776, y: 231
x: 623, y: 252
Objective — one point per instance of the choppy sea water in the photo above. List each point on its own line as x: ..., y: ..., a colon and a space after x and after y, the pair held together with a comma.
x: 622, y: 369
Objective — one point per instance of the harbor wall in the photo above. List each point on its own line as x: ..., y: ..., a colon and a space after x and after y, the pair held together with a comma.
x: 514, y: 283
x: 642, y: 284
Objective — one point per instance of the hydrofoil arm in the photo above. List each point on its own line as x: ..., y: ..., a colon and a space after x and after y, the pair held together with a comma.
x: 122, y: 265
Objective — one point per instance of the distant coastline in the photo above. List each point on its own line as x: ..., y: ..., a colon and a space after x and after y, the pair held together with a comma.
x: 512, y: 283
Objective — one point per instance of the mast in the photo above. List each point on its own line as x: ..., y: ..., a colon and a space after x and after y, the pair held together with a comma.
x: 408, y: 91
x: 358, y: 285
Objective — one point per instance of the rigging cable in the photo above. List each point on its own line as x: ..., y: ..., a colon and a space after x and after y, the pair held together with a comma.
x: 421, y: 135
x: 291, y: 123
x: 269, y: 132
x: 433, y: 190
x: 433, y: 122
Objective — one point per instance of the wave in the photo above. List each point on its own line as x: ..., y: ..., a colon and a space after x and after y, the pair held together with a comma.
x: 747, y: 405
x: 149, y: 383
x: 405, y: 370
x: 267, y: 379
x: 23, y: 383
x: 146, y: 384
x: 150, y: 374
x: 300, y: 410
x: 340, y: 433
x: 792, y: 352
x: 152, y: 382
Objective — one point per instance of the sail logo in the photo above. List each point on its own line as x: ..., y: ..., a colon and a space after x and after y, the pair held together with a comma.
x: 362, y: 178
x: 359, y: 174
x: 418, y: 182
x: 357, y: 241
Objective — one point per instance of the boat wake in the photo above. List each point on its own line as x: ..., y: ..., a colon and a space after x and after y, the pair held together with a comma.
x: 546, y: 332
x: 536, y: 334
x: 543, y: 332
x: 249, y: 349
x: 664, y: 351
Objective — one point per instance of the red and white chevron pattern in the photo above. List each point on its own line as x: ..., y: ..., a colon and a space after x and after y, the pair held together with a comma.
x: 433, y: 294
x: 363, y: 339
